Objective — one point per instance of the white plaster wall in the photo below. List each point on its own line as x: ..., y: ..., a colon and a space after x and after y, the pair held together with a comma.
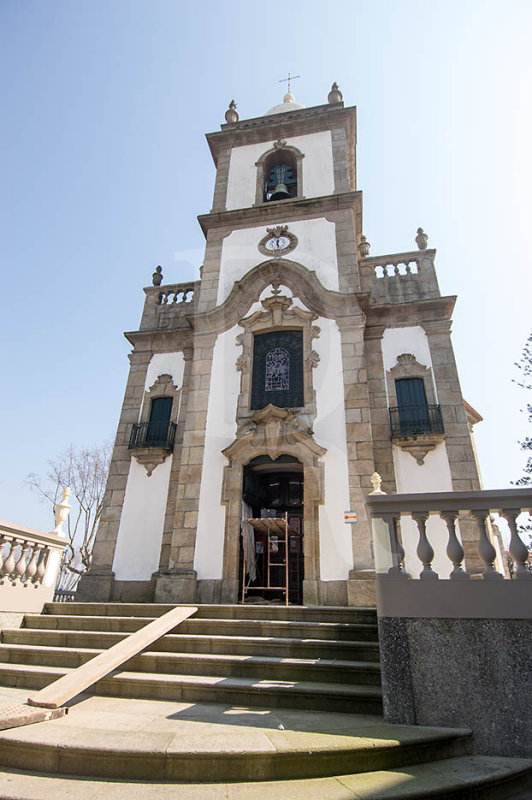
x: 318, y: 169
x: 140, y: 532
x: 434, y: 475
x: 164, y: 364
x: 336, y: 552
x: 396, y: 341
x: 316, y: 250
x: 220, y: 431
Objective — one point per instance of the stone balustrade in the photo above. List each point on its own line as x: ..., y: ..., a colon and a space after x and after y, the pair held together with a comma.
x: 175, y: 293
x: 454, y: 652
x: 29, y: 565
x: 167, y: 306
x: 386, y: 512
x: 400, y: 276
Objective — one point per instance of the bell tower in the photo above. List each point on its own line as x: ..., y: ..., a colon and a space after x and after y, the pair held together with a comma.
x: 296, y: 367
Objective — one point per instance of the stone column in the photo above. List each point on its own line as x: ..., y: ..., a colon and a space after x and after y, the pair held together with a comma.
x: 361, y: 583
x: 178, y: 582
x: 462, y: 462
x: 97, y: 583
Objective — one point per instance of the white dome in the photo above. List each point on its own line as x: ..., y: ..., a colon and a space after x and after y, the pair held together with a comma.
x: 288, y: 104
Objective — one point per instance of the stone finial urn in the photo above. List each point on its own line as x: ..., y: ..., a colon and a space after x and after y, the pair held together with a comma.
x: 422, y: 239
x: 157, y: 276
x: 364, y: 247
x: 335, y: 95
x: 231, y: 115
x: 61, y: 512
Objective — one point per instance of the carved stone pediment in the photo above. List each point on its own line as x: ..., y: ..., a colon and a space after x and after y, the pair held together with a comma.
x: 419, y: 445
x: 275, y: 431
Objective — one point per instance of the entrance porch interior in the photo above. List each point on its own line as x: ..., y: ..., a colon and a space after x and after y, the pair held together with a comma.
x: 272, y: 489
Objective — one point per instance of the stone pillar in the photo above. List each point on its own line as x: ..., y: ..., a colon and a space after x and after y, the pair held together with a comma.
x: 361, y: 583
x: 178, y: 582
x: 222, y: 178
x: 346, y: 250
x: 462, y: 462
x: 97, y: 584
x: 380, y: 417
x: 210, y: 275
x: 164, y: 561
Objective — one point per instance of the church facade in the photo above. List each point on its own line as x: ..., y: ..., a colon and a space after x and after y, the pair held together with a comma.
x: 276, y: 385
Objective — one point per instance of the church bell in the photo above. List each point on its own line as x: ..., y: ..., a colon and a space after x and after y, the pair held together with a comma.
x: 280, y: 192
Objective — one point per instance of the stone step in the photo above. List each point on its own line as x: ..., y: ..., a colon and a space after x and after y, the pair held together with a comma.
x: 351, y: 698
x: 459, y: 778
x: 315, y: 670
x: 250, y: 612
x: 179, y: 741
x: 236, y: 645
x: 207, y: 627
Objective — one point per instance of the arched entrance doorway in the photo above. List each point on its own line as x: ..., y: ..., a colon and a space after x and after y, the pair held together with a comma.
x: 272, y: 489
x: 276, y: 432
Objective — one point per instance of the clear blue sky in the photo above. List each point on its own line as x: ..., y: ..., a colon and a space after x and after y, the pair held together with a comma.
x: 105, y: 168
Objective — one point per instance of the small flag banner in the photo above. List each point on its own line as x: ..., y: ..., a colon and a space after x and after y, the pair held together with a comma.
x: 350, y: 516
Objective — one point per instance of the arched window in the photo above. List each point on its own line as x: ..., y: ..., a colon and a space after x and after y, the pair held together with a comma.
x: 280, y: 176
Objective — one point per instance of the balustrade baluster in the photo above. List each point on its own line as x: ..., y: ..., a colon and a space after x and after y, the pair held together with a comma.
x: 31, y: 569
x: 408, y: 269
x: 424, y: 551
x: 398, y: 553
x: 3, y: 543
x: 517, y: 548
x: 9, y: 563
x: 455, y: 551
x: 396, y: 269
x: 20, y: 567
x: 485, y: 548
x: 42, y: 563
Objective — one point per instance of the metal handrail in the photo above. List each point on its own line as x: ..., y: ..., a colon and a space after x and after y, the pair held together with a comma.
x: 413, y: 420
x: 152, y: 434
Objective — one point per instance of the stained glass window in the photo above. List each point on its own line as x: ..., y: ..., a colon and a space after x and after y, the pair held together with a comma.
x: 277, y: 370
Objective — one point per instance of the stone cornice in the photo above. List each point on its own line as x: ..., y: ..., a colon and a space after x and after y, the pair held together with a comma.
x: 279, y: 210
x: 282, y: 126
x: 415, y: 312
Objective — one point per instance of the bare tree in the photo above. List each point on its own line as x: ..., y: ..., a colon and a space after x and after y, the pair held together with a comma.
x: 85, y: 472
x: 525, y: 382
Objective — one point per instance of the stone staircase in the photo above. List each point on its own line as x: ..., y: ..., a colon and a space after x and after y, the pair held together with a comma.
x: 236, y: 700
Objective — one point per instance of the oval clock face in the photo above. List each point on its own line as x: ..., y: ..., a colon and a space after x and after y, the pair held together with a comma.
x: 278, y: 240
x: 278, y: 243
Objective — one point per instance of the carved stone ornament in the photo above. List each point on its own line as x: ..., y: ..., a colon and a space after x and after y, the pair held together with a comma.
x: 150, y: 458
x: 422, y: 239
x: 279, y: 144
x: 275, y: 431
x: 231, y: 115
x: 278, y: 241
x: 335, y: 95
x: 312, y: 360
x: 241, y: 364
x: 419, y: 444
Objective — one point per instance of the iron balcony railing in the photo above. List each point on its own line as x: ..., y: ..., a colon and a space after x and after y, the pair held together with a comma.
x: 152, y: 434
x: 412, y: 420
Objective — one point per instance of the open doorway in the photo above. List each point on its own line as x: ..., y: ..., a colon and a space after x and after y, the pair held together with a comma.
x: 273, y: 489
